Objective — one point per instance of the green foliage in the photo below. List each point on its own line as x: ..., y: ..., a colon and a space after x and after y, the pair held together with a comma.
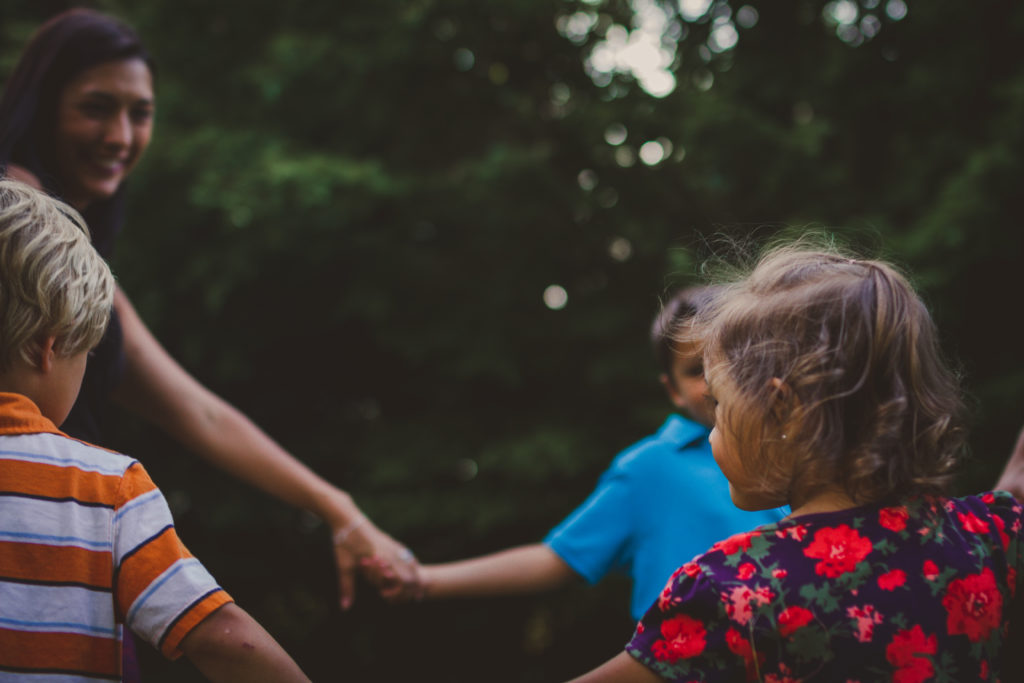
x: 351, y: 212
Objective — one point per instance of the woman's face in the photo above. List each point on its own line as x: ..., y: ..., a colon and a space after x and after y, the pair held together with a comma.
x: 104, y: 122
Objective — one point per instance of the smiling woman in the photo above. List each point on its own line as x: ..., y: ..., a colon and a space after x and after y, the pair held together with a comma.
x: 104, y: 122
x: 76, y: 116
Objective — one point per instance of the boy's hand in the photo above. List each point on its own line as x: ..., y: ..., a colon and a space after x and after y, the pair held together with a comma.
x: 360, y: 542
x: 394, y: 583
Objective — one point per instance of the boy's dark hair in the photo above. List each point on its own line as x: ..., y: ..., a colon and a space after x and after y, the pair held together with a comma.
x: 683, y: 305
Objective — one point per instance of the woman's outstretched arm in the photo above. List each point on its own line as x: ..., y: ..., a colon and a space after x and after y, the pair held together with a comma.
x: 156, y: 387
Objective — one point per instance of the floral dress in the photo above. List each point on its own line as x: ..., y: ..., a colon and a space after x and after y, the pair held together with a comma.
x: 906, y: 593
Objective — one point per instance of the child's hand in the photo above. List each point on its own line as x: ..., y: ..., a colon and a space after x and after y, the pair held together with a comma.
x: 395, y: 583
x: 361, y: 541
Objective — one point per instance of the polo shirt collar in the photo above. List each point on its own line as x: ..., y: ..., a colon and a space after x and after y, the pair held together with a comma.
x: 682, y: 431
x: 19, y: 415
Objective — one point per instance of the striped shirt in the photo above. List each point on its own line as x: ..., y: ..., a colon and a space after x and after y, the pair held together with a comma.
x: 87, y: 545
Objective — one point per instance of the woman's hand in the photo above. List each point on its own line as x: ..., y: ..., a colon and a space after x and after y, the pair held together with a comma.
x: 385, y: 562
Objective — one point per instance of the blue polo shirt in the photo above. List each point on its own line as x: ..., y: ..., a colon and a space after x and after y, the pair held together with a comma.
x: 662, y: 501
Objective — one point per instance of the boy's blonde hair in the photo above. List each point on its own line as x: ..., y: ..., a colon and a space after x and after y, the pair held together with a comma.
x: 835, y: 377
x: 52, y: 281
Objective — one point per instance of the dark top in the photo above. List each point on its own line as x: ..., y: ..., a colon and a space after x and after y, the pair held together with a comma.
x: 900, y: 593
x: 89, y: 417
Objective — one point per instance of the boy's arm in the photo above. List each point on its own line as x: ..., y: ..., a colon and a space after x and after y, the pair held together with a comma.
x: 526, y: 569
x: 229, y: 645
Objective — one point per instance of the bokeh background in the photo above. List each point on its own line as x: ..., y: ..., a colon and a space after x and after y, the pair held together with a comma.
x: 420, y: 243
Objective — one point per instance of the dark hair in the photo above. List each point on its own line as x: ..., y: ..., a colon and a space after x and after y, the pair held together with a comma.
x: 683, y: 305
x: 839, y: 357
x: 59, y: 51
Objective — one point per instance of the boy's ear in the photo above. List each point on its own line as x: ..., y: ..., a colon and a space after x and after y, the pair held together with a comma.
x: 44, y: 355
x: 670, y: 388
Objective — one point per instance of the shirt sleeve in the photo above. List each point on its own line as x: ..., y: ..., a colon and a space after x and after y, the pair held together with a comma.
x: 162, y: 591
x: 596, y: 537
x: 1008, y: 515
x: 687, y: 636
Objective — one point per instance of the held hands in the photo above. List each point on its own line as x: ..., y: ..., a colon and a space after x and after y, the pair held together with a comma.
x: 386, y: 563
x: 389, y: 581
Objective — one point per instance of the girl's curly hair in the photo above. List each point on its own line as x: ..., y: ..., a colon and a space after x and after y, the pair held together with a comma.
x: 835, y: 377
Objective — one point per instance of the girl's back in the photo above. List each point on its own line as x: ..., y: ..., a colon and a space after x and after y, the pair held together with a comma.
x: 870, y: 593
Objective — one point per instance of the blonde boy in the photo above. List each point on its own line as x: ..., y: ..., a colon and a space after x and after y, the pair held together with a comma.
x: 87, y: 544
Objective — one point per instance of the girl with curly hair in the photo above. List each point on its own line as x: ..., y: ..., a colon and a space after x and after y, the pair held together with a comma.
x: 832, y: 396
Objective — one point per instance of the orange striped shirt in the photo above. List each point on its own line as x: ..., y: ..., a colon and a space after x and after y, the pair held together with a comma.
x: 87, y: 546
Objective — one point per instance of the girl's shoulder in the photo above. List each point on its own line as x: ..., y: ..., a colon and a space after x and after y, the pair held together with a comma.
x: 864, y: 592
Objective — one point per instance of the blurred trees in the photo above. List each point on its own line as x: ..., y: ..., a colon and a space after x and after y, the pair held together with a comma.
x: 360, y: 223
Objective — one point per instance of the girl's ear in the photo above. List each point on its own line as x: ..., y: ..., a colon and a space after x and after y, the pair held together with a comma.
x: 784, y: 402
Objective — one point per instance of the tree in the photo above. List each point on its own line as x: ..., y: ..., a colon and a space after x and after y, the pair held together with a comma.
x: 420, y: 242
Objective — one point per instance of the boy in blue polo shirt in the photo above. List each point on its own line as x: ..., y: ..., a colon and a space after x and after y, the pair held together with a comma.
x: 661, y: 502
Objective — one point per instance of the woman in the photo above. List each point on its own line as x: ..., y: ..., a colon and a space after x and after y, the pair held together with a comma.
x: 75, y: 117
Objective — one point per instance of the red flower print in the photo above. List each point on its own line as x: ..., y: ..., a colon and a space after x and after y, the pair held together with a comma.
x: 839, y: 549
x: 972, y: 524
x: 792, y: 619
x: 890, y: 581
x: 746, y: 570
x: 736, y: 543
x: 740, y: 601
x: 917, y: 671
x: 1001, y: 528
x: 974, y: 605
x: 930, y: 570
x: 780, y: 573
x: 866, y: 617
x: 983, y: 673
x: 684, y: 638
x: 903, y: 653
x: 665, y: 598
x: 784, y: 676
x: 894, y: 518
x: 740, y: 646
x: 988, y: 498
x: 798, y: 532
x: 691, y: 569
x: 1011, y: 578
